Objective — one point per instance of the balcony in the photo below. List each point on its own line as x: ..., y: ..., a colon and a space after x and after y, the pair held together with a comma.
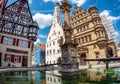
x: 101, y: 42
x: 95, y: 16
x: 98, y: 25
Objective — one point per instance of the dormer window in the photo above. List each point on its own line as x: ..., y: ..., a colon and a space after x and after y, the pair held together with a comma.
x: 30, y: 30
x: 18, y: 28
x: 23, y: 11
x: 24, y: 21
x: 25, y: 29
x: 33, y: 30
x: 8, y: 25
x: 16, y: 18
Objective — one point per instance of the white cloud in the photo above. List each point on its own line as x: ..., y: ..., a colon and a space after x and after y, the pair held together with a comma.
x: 114, y: 18
x: 43, y: 20
x: 106, y: 13
x: 116, y: 33
x: 78, y: 2
x: 52, y: 0
x: 49, y: 0
x: 41, y: 11
x: 41, y: 36
x: 30, y: 1
x: 37, y: 41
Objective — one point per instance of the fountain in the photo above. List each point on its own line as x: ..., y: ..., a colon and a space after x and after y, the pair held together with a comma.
x: 69, y: 62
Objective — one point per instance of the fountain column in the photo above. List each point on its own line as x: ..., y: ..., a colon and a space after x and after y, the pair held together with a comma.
x: 69, y: 62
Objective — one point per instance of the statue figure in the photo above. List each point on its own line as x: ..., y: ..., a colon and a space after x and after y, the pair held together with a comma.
x: 61, y: 40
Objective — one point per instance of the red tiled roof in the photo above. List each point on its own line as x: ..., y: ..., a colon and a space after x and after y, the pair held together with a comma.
x: 41, y: 46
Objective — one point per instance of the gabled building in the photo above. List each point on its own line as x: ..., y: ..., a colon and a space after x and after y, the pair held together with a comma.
x: 53, y: 50
x: 89, y: 32
x: 18, y: 31
x: 38, y: 54
x: 42, y: 53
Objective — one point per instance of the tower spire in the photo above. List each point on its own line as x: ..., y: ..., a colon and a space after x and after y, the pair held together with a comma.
x: 57, y: 13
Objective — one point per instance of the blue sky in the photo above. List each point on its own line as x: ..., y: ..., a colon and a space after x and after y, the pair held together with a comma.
x: 42, y: 12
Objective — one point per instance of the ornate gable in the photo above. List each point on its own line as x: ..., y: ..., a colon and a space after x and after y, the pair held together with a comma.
x: 79, y: 16
x: 17, y: 19
x: 78, y: 11
x: 19, y: 12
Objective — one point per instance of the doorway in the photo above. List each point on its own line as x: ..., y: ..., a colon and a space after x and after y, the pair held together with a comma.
x: 24, y: 61
x: 82, y: 57
x: 109, y: 52
x: 59, y: 61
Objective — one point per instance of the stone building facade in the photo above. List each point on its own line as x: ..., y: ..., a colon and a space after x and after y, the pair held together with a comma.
x: 90, y: 34
x: 42, y: 53
x: 118, y: 50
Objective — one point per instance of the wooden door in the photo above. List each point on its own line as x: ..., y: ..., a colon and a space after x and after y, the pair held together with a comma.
x: 82, y: 57
x: 24, y: 61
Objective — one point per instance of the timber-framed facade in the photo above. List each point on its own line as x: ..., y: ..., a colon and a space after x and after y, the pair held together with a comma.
x: 18, y: 31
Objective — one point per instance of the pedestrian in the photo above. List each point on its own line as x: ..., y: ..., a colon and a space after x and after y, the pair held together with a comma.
x: 14, y: 64
x: 9, y: 64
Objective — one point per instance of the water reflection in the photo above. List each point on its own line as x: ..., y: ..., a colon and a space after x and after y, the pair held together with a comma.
x: 91, y: 76
x: 100, y: 75
x: 38, y: 77
x: 53, y: 77
x: 16, y: 78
